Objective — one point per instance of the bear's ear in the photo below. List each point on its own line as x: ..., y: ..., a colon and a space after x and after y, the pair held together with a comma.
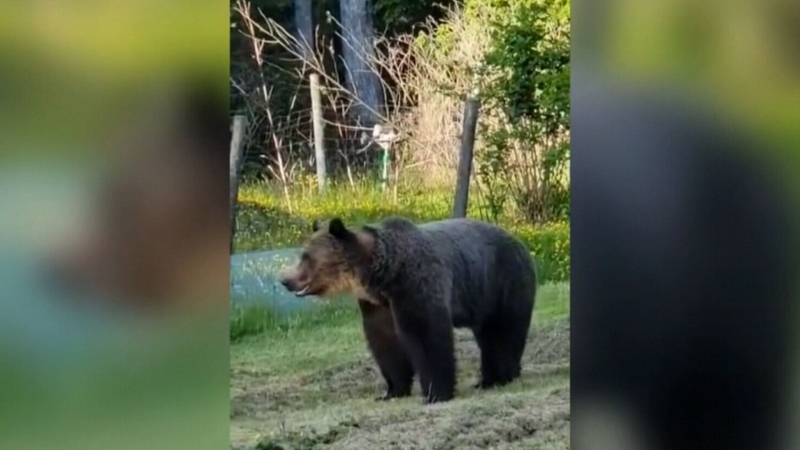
x: 337, y: 229
x: 315, y: 226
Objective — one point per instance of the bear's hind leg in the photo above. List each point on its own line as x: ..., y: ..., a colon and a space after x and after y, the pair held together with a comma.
x: 491, y: 354
x: 385, y: 346
x: 501, y: 344
x: 503, y: 336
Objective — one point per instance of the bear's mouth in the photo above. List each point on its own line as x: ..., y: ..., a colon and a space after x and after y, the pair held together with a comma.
x: 305, y: 291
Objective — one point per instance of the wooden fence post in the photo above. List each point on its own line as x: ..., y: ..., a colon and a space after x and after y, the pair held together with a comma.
x: 319, y: 130
x: 469, y: 127
x: 238, y: 132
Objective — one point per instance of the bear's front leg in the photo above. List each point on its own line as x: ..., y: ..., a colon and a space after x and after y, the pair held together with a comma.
x: 387, y: 350
x: 426, y: 331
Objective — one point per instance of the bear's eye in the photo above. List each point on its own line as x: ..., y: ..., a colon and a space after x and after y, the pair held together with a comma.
x: 304, y: 257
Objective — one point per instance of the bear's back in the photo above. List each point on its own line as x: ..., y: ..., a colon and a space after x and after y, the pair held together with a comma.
x: 481, y: 257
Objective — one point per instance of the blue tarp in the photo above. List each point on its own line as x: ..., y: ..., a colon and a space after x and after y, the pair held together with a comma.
x: 254, y: 279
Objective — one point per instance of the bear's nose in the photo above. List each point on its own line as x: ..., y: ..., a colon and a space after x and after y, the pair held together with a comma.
x: 287, y: 283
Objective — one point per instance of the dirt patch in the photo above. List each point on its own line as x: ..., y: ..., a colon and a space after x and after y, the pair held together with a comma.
x: 334, y: 408
x: 267, y: 394
x: 504, y: 421
x: 547, y: 345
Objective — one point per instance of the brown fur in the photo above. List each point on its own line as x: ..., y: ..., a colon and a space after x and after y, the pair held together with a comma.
x: 323, y: 269
x: 415, y: 284
x: 386, y: 348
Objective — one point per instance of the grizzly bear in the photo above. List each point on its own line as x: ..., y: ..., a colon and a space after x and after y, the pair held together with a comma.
x: 415, y: 284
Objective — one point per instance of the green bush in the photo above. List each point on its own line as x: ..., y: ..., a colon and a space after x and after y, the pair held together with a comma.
x: 549, y: 245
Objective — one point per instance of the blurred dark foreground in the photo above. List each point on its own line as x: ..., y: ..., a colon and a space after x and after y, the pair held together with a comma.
x: 684, y: 228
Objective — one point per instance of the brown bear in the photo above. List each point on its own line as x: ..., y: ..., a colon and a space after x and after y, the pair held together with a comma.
x: 415, y: 283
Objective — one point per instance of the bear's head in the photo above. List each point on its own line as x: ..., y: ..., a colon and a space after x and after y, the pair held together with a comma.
x: 331, y: 261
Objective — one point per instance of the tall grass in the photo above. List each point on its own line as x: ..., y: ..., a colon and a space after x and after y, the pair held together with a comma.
x: 259, y: 319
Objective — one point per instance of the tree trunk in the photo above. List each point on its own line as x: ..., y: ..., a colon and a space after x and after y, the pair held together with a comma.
x: 304, y: 26
x: 358, y: 50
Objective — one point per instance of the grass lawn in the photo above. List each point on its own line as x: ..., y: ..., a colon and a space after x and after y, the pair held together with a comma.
x: 309, y: 383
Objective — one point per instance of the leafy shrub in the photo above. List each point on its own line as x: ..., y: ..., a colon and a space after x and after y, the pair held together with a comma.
x: 517, y: 53
x: 550, y: 247
x: 526, y: 104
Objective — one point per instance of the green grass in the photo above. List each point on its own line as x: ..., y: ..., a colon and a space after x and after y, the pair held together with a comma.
x: 266, y: 220
x: 275, y: 325
x: 308, y: 382
x: 259, y: 319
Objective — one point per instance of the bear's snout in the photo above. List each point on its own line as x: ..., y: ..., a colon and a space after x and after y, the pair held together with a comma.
x: 288, y: 284
x: 294, y: 281
x: 288, y: 279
